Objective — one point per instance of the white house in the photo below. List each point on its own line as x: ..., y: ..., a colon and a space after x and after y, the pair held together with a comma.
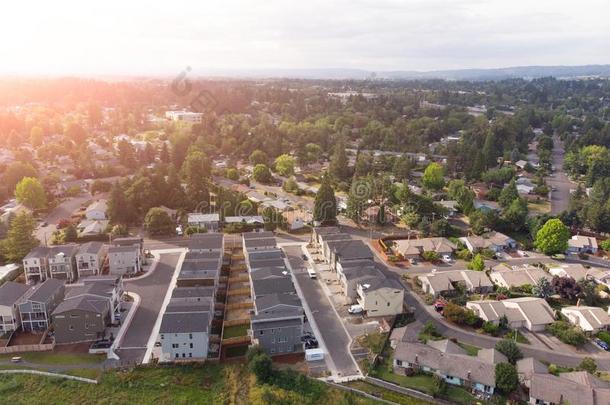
x: 381, y: 297
x: 589, y: 319
x: 211, y: 222
x: 90, y: 258
x: 184, y: 332
x: 582, y: 244
x: 124, y: 259
x: 96, y: 211
x: 10, y: 295
x: 529, y: 312
x: 494, y: 241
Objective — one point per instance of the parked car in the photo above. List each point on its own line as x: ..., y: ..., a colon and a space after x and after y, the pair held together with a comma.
x: 355, y: 309
x: 304, y: 257
x: 16, y: 359
x: 312, y: 273
x: 558, y: 256
x: 447, y: 259
x: 601, y: 344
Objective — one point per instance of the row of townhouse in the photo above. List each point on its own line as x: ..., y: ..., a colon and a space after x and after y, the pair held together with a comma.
x: 72, y: 261
x: 362, y: 282
x: 213, y: 223
x: 277, y: 323
x: 186, y: 324
x: 77, y: 313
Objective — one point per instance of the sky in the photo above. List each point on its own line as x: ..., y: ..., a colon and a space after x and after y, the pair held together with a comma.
x: 132, y: 37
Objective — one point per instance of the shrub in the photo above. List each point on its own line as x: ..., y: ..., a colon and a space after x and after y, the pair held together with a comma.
x: 507, y: 379
x: 430, y: 256
x: 439, y: 387
x: 567, y: 333
x: 491, y: 328
x: 510, y: 350
x: 588, y: 364
x: 605, y: 336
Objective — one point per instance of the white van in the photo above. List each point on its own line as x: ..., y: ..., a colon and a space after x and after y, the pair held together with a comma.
x: 311, y: 272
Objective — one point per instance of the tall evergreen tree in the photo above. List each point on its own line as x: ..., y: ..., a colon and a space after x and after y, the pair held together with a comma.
x: 338, y: 162
x: 20, y: 238
x: 325, y: 204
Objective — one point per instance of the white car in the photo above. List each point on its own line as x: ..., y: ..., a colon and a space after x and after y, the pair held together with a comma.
x: 355, y: 309
x: 447, y: 259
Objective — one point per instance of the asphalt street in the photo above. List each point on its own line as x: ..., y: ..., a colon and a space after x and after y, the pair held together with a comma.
x: 560, y: 199
x: 329, y: 324
x: 152, y: 290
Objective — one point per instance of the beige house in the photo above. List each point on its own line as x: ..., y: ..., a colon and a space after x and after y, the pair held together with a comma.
x: 582, y: 244
x: 494, y: 241
x: 381, y: 297
x: 413, y: 248
x: 517, y: 276
x: 529, y: 312
x: 589, y: 319
x: 443, y: 283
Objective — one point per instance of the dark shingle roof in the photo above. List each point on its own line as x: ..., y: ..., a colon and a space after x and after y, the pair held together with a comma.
x: 193, y: 292
x: 44, y: 291
x: 91, y: 247
x: 258, y: 235
x: 351, y: 249
x: 184, y: 322
x: 273, y: 300
x: 206, y: 241
x: 268, y: 272
x: 10, y: 292
x: 273, y: 286
x: 83, y: 303
x: 38, y: 251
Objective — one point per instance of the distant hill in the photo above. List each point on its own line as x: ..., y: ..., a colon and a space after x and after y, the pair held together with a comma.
x: 527, y: 72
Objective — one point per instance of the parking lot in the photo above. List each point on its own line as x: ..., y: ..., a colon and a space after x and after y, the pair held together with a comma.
x: 331, y: 332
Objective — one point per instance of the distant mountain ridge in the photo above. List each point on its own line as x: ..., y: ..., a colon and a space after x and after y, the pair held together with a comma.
x: 527, y: 72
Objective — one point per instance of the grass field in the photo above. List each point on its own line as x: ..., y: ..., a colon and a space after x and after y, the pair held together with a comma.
x: 386, y: 394
x: 202, y: 384
x: 235, y: 331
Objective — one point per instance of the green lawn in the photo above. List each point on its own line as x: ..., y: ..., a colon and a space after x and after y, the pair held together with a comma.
x: 57, y: 358
x: 236, y: 351
x: 470, y: 349
x: 420, y: 382
x: 235, y: 331
x: 386, y: 394
x: 201, y: 384
x: 520, y: 337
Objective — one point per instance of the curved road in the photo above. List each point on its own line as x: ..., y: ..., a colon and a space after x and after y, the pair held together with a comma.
x: 152, y: 290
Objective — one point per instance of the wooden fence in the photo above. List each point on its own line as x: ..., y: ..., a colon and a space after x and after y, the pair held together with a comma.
x: 234, y: 322
x: 240, y: 305
x: 240, y: 291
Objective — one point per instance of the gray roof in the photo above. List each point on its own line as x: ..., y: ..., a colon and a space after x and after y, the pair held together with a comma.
x: 258, y: 235
x: 273, y: 286
x: 262, y: 263
x: 44, y: 291
x: 188, y: 307
x: 266, y: 254
x: 351, y: 250
x: 357, y: 263
x: 260, y: 242
x: 325, y: 230
x: 123, y: 249
x: 202, y: 256
x: 201, y: 265
x: 274, y: 300
x: 91, y: 247
x: 188, y: 322
x: 67, y: 250
x: 264, y: 322
x: 83, y: 303
x: 361, y: 273
x: 99, y: 288
x: 376, y: 284
x: 37, y: 252
x: 193, y: 292
x: 128, y: 241
x: 268, y: 272
x: 10, y: 292
x: 206, y: 241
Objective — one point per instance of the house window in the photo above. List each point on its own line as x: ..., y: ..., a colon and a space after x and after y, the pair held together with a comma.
x: 260, y: 332
x: 190, y: 335
x: 176, y: 355
x: 71, y: 327
x: 399, y: 362
x: 162, y: 337
x: 190, y: 354
x: 175, y: 345
x: 191, y: 345
x: 183, y: 355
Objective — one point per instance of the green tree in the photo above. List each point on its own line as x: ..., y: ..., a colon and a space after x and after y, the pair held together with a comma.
x: 15, y: 172
x: 196, y: 172
x: 36, y: 136
x: 588, y: 364
x: 325, y: 203
x: 510, y: 349
x: 553, y: 237
x: 477, y: 263
x: 508, y: 194
x: 338, y: 162
x: 433, y: 177
x: 507, y: 379
x: 70, y: 234
x: 261, y: 173
x: 119, y: 210
x: 543, y: 288
x: 258, y: 157
x: 158, y: 222
x: 232, y: 174
x: 76, y: 133
x: 515, y: 214
x: 127, y: 154
x: 262, y: 367
x: 29, y: 192
x: 284, y: 165
x: 20, y: 237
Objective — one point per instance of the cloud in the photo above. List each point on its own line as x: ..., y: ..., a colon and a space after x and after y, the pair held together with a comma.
x: 163, y: 37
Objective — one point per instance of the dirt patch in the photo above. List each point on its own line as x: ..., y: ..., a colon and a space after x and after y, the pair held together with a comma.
x: 25, y: 338
x: 82, y: 347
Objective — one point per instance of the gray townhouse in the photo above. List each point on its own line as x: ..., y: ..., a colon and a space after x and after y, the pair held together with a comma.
x: 36, y: 306
x: 277, y: 325
x: 264, y: 260
x: 10, y: 295
x: 193, y: 294
x: 62, y: 262
x: 200, y: 269
x: 343, y: 251
x: 109, y: 287
x: 206, y: 242
x: 184, y: 331
x: 81, y: 318
x: 90, y: 258
x: 35, y: 265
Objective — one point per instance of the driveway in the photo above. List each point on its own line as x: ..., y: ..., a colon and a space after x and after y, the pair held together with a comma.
x: 152, y: 290
x: 560, y: 198
x: 329, y: 325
